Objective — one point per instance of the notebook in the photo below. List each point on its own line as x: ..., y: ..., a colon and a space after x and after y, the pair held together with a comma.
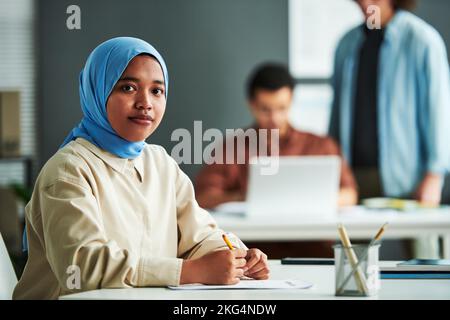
x: 418, y: 269
x: 424, y: 265
x: 414, y: 275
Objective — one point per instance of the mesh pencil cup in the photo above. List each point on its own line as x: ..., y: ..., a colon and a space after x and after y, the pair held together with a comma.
x: 360, y: 279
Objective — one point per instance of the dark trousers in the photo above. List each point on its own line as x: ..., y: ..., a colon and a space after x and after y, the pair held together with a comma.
x: 369, y: 183
x: 369, y: 186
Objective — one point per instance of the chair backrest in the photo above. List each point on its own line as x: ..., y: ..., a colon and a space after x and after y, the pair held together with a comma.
x: 10, y: 221
x: 8, y: 279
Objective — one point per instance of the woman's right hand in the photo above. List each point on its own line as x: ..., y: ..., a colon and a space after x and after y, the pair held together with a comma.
x: 218, y: 267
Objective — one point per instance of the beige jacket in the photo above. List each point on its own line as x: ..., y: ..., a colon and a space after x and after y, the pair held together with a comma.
x: 99, y: 221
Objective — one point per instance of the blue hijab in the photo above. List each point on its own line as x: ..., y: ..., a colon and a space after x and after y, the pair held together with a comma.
x: 103, y: 69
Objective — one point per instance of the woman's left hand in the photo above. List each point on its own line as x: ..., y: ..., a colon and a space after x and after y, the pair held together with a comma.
x: 257, y: 265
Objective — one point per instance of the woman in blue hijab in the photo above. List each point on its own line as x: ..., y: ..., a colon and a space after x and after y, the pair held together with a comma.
x: 111, y: 211
x: 103, y: 69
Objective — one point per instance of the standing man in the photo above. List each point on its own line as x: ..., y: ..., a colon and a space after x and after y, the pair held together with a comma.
x: 391, y: 109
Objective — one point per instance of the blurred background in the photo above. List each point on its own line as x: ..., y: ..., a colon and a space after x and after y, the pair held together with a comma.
x: 210, y: 47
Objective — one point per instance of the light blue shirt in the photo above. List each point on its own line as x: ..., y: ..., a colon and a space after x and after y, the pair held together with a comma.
x: 413, y: 110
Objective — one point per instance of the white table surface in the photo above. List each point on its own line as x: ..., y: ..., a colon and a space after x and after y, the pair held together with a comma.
x: 360, y: 224
x: 321, y: 276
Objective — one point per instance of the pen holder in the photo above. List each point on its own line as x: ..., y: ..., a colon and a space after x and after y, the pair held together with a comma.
x: 356, y: 270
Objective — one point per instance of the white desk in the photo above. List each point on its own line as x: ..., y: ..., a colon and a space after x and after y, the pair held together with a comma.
x: 361, y: 224
x: 321, y: 276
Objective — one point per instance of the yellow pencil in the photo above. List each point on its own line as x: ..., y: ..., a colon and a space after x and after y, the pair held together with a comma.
x: 347, y: 246
x: 379, y: 234
x: 227, y: 241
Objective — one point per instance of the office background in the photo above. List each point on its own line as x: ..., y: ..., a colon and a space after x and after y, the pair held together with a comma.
x: 210, y: 47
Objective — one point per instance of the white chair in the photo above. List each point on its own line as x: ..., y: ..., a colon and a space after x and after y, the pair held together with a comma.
x: 8, y: 279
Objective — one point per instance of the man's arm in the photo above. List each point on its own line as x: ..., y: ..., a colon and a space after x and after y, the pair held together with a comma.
x: 348, y: 193
x: 435, y: 120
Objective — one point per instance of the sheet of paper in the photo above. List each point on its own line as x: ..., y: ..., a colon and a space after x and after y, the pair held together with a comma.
x: 249, y: 284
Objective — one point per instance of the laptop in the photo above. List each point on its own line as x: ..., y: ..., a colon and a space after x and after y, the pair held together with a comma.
x: 296, y: 186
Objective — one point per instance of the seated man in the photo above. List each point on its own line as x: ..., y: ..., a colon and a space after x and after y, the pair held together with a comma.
x: 270, y: 91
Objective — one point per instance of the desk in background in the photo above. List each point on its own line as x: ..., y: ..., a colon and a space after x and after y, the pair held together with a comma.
x: 360, y: 224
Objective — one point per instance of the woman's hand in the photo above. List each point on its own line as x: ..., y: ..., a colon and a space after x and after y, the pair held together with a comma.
x: 257, y: 265
x: 218, y: 267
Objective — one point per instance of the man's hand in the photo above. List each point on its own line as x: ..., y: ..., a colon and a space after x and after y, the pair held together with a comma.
x: 257, y: 266
x: 429, y: 190
x: 347, y: 197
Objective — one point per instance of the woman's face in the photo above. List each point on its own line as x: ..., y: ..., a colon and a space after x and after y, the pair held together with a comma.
x: 137, y: 102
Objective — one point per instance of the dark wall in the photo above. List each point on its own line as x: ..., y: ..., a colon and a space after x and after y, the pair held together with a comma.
x: 436, y: 13
x: 210, y: 46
